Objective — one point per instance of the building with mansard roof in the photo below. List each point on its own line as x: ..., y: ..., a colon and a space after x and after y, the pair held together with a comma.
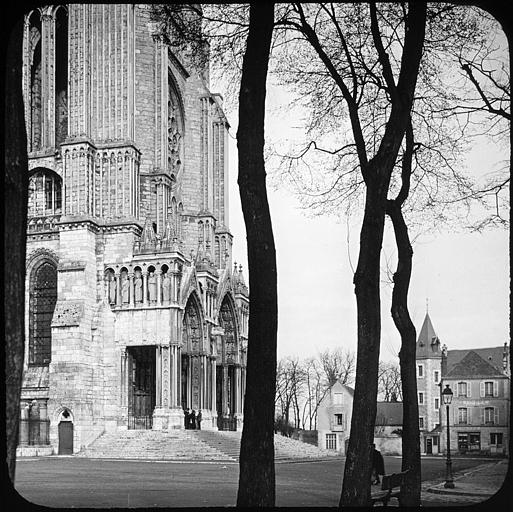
x: 480, y: 382
x: 135, y: 310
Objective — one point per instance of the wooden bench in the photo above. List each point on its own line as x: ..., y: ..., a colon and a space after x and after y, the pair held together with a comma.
x: 390, y: 488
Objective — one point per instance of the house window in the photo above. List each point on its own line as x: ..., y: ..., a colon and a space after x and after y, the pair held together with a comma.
x: 489, y: 415
x: 331, y: 441
x: 462, y: 389
x: 437, y: 376
x: 437, y: 403
x: 338, y: 419
x: 488, y: 389
x: 474, y: 441
x: 337, y: 398
x: 435, y: 441
x: 420, y: 369
x: 496, y: 438
x: 421, y: 398
x: 421, y: 422
x: 462, y: 416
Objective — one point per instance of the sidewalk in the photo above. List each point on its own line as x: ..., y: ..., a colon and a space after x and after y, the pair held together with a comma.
x: 470, y: 486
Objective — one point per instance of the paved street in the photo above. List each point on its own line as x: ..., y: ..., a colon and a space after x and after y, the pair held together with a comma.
x: 77, y: 482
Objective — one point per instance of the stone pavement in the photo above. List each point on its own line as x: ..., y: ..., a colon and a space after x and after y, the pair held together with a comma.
x: 471, y: 486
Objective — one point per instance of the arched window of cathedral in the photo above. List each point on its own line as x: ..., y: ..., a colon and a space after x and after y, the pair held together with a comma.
x: 36, y: 95
x: 227, y: 322
x: 192, y: 326
x: 61, y: 75
x: 175, y: 129
x: 200, y: 232
x: 43, y: 296
x: 45, y: 193
x: 217, y: 252
x: 179, y: 221
x: 174, y: 213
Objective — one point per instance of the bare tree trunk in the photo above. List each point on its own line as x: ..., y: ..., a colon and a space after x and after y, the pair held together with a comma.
x: 357, y: 472
x: 257, y: 474
x: 15, y: 219
x: 410, y: 492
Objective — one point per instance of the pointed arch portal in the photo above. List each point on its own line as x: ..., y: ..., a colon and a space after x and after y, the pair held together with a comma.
x: 193, y: 364
x: 228, y: 371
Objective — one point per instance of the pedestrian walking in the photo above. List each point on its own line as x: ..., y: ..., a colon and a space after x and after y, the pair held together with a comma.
x: 378, y: 465
x: 192, y: 420
x: 198, y: 420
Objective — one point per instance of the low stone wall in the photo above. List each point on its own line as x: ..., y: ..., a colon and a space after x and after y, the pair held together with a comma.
x: 389, y: 445
x: 34, y: 451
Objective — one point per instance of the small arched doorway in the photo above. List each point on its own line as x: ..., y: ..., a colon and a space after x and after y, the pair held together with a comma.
x: 65, y: 433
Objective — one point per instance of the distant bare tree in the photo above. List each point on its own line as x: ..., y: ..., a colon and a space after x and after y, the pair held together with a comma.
x: 290, y: 382
x: 338, y: 365
x: 389, y: 381
x: 315, y: 390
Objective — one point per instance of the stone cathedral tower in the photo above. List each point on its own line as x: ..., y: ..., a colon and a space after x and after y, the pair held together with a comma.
x: 134, y: 309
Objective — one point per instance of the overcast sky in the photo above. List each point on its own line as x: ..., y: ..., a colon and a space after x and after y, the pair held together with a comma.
x: 464, y: 277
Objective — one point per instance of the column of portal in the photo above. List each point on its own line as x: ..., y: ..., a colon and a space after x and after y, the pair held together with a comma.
x: 213, y: 387
x: 225, y: 390
x: 165, y: 377
x: 44, y: 424
x: 124, y: 382
x: 173, y: 380
x: 237, y: 390
x: 158, y: 374
x: 24, y: 424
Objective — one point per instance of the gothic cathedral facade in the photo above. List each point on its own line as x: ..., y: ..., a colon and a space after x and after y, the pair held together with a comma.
x: 134, y: 310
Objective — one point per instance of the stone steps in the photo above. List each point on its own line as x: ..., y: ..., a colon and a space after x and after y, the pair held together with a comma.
x: 193, y: 445
x: 152, y: 444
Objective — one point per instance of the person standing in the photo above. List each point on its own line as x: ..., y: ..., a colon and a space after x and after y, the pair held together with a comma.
x: 186, y: 418
x: 198, y: 420
x: 378, y: 465
x: 192, y: 420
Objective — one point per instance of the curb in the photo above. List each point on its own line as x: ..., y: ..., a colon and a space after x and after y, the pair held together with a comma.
x: 482, y: 494
x: 451, y: 492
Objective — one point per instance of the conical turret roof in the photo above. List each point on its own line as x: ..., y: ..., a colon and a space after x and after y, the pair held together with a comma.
x: 428, y: 343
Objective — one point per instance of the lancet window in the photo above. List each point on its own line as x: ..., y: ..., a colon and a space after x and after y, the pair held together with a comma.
x: 36, y: 88
x: 61, y: 75
x: 175, y: 129
x: 45, y: 193
x: 43, y: 297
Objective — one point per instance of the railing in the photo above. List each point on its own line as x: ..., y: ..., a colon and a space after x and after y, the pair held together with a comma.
x: 140, y: 422
x: 34, y: 432
x: 229, y: 423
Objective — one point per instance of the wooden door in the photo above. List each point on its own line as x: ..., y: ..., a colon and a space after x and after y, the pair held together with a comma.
x: 65, y: 438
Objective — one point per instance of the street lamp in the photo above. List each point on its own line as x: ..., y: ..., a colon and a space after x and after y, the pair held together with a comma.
x: 447, y: 399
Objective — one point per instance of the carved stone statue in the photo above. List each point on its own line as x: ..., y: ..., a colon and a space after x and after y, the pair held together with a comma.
x: 166, y: 288
x: 138, y: 286
x: 112, y: 288
x: 125, y: 296
x: 152, y: 287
